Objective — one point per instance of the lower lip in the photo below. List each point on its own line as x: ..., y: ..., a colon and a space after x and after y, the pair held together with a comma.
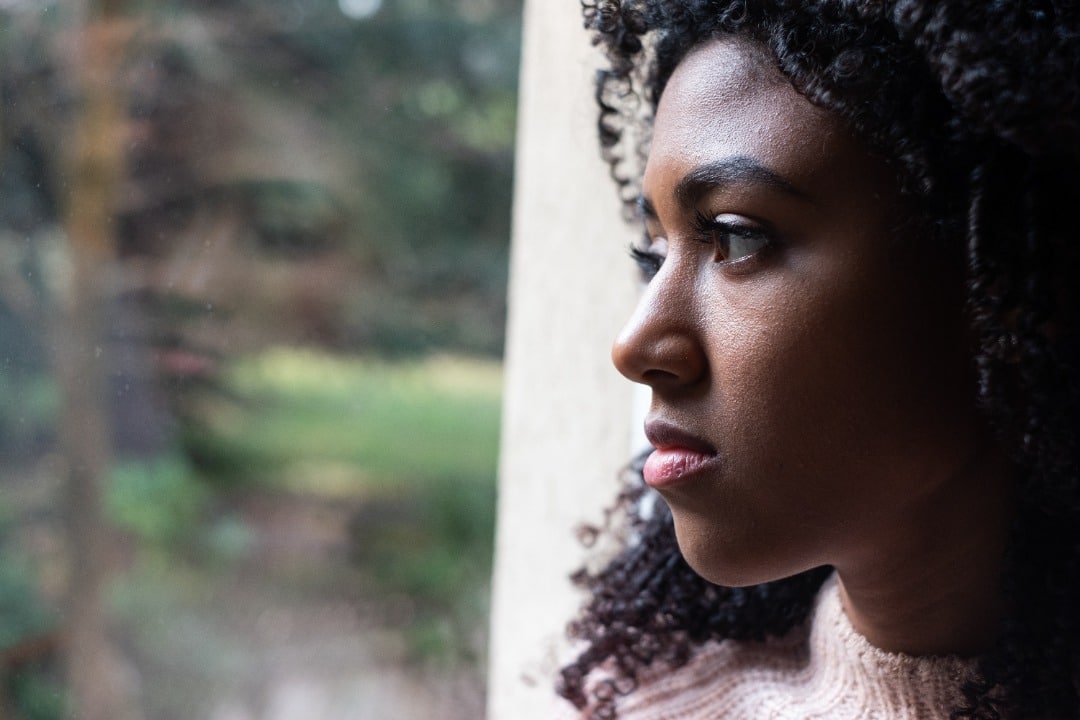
x: 665, y: 468
x: 180, y: 363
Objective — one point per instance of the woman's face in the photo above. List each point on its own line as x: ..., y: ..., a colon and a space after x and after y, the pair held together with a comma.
x: 804, y: 345
x: 238, y: 245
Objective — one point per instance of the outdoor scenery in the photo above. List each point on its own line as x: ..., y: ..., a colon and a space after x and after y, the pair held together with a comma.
x: 252, y: 294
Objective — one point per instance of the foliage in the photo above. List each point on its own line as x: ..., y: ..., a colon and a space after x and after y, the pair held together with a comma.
x: 434, y: 548
x: 401, y: 127
x: 409, y: 446
x: 414, y: 442
x: 421, y: 98
x: 411, y: 113
x: 38, y: 696
x: 421, y: 421
x: 24, y: 619
x: 22, y: 614
x: 29, y: 401
x: 157, y: 500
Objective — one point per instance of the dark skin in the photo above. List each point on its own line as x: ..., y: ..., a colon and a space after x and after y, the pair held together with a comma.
x: 805, y: 345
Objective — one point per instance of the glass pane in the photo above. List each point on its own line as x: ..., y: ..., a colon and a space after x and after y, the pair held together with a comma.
x: 252, y: 296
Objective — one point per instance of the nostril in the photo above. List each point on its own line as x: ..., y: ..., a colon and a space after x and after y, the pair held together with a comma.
x: 655, y: 376
x: 662, y: 343
x: 665, y: 358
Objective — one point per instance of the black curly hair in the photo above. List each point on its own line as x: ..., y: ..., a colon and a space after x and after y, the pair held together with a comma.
x: 976, y: 106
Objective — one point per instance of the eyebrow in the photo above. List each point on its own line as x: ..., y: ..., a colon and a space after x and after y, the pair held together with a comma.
x: 728, y: 171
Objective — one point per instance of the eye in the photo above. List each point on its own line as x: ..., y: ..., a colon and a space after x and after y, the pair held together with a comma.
x: 731, y: 236
x: 649, y: 256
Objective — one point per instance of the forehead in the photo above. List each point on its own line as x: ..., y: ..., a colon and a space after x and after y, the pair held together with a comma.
x: 728, y: 99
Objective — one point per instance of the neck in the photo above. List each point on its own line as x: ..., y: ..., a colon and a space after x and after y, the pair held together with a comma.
x: 932, y: 585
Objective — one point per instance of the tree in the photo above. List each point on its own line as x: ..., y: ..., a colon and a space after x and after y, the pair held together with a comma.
x: 79, y: 356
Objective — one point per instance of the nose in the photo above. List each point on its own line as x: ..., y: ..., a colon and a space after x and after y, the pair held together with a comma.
x: 200, y: 264
x: 661, y: 346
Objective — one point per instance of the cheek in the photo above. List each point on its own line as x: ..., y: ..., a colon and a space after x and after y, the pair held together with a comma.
x: 777, y: 389
x: 835, y: 391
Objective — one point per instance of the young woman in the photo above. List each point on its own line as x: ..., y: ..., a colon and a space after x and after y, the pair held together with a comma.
x: 860, y: 331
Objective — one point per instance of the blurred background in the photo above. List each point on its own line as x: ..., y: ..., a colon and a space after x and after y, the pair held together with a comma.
x: 252, y: 298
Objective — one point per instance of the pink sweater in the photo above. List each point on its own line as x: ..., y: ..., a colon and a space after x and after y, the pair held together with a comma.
x: 823, y: 670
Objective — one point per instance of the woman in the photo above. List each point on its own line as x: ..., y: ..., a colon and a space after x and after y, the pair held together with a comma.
x: 860, y: 336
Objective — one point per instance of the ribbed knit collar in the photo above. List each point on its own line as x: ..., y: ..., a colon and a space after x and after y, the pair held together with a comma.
x: 824, y: 670
x: 843, y: 664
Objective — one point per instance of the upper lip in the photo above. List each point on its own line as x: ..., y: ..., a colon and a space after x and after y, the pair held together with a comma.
x: 166, y: 322
x: 168, y: 341
x: 663, y: 435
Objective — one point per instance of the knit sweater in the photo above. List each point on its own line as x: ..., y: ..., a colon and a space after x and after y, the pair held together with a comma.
x: 824, y: 669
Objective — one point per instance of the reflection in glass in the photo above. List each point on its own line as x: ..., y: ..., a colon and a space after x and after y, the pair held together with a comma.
x: 294, y: 306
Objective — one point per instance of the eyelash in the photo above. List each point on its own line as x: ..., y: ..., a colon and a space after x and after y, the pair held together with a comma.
x: 648, y: 261
x: 710, y: 232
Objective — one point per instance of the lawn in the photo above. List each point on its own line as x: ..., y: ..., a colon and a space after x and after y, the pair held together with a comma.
x: 369, y: 426
x: 389, y: 465
x: 412, y: 445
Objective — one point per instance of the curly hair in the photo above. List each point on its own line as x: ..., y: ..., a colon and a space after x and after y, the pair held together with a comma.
x: 976, y: 106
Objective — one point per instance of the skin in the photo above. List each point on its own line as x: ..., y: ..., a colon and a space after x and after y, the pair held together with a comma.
x: 230, y: 242
x: 824, y: 372
x: 215, y: 243
x: 230, y: 289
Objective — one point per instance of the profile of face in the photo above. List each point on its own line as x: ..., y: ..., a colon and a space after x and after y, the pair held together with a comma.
x: 803, y: 339
x: 231, y: 238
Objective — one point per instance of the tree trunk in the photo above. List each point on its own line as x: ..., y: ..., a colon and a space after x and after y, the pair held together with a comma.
x: 97, y: 689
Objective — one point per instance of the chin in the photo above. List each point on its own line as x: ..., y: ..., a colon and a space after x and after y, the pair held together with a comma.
x: 725, y: 560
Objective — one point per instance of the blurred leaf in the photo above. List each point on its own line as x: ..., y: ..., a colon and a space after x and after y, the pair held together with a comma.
x: 157, y: 500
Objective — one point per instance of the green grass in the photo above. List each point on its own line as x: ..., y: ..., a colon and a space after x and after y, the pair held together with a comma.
x: 358, y: 425
x: 408, y: 448
x: 413, y: 445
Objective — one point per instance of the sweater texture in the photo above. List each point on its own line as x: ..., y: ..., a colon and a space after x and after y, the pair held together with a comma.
x: 824, y: 669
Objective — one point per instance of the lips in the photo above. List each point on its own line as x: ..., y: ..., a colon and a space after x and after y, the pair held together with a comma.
x: 678, y: 455
x: 183, y: 361
x: 175, y: 336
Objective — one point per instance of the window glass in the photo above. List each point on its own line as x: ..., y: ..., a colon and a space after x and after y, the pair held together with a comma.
x: 252, y: 297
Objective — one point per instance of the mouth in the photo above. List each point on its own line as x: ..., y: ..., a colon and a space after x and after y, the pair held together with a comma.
x: 180, y: 360
x: 175, y: 336
x: 676, y: 457
x: 170, y: 358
